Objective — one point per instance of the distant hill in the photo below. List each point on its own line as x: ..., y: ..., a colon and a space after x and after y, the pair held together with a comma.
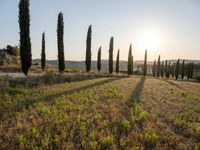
x: 123, y: 64
x: 81, y: 64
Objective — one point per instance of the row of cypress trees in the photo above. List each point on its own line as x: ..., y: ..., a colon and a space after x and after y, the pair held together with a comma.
x: 174, y: 70
x: 25, y: 44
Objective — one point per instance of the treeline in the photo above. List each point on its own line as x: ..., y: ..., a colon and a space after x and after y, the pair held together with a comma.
x: 159, y: 69
x: 25, y: 45
x: 176, y: 70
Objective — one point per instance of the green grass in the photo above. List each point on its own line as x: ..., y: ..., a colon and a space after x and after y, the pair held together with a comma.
x: 98, y: 113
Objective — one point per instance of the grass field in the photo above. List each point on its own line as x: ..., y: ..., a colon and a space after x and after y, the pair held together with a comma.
x: 100, y: 113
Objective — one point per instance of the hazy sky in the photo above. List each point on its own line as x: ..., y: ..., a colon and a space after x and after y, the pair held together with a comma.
x: 167, y: 27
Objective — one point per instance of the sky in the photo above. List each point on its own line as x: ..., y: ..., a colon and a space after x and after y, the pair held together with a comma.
x: 170, y: 28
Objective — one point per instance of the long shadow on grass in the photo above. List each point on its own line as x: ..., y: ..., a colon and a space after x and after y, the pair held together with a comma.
x: 174, y: 84
x: 136, y: 93
x: 30, y: 102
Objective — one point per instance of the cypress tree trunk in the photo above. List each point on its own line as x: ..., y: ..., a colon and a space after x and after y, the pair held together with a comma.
x: 117, y: 63
x: 183, y: 70
x: 177, y: 70
x: 130, y: 61
x: 88, y: 49
x: 158, y: 67
x: 43, y: 55
x: 25, y: 42
x: 111, y: 48
x: 60, y: 38
x: 145, y: 63
x: 99, y: 60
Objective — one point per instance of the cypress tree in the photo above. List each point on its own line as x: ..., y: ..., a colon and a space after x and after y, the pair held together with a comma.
x: 158, y: 67
x: 99, y: 60
x: 88, y: 49
x: 172, y: 71
x: 165, y: 68
x: 154, y: 68
x: 60, y: 38
x: 188, y: 71
x: 111, y: 48
x: 25, y: 42
x: 43, y: 55
x: 168, y: 70
x: 130, y: 60
x: 192, y: 68
x: 162, y: 70
x: 145, y: 63
x: 183, y: 70
x: 117, y: 63
x: 177, y: 70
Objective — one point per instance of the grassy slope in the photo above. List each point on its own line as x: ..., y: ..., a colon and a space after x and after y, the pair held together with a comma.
x: 101, y: 113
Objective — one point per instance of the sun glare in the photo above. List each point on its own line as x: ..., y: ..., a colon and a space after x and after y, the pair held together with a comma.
x: 150, y: 41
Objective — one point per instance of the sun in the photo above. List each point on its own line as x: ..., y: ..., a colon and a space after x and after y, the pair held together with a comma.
x: 150, y: 41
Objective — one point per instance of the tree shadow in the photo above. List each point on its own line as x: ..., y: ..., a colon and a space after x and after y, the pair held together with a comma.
x: 136, y: 93
x: 26, y: 103
x: 52, y: 78
x: 174, y: 84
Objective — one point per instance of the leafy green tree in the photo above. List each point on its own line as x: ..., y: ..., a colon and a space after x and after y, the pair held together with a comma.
x: 88, y: 49
x: 162, y: 69
x: 177, y: 69
x: 111, y: 49
x: 43, y: 55
x: 158, y: 67
x: 99, y: 60
x: 145, y: 63
x: 117, y: 63
x: 25, y: 42
x: 60, y: 38
x: 183, y: 70
x: 130, y: 60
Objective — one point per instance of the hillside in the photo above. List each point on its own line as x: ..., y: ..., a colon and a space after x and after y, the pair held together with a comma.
x: 101, y: 113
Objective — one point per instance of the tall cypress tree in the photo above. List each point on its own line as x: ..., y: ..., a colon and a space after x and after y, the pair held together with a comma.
x: 168, y: 70
x: 183, y: 70
x: 60, y: 38
x: 88, y: 49
x: 99, y: 60
x: 130, y: 60
x: 117, y: 63
x: 43, y: 55
x: 158, y: 67
x: 25, y: 42
x: 177, y: 69
x: 173, y: 70
x: 145, y: 63
x: 188, y: 70
x: 111, y: 48
x: 162, y: 69
x: 154, y: 68
x: 192, y: 68
x: 165, y: 68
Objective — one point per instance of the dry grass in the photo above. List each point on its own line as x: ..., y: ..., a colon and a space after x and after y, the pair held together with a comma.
x: 101, y: 113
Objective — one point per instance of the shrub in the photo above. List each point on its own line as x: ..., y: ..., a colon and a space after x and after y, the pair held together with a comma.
x: 107, y: 142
